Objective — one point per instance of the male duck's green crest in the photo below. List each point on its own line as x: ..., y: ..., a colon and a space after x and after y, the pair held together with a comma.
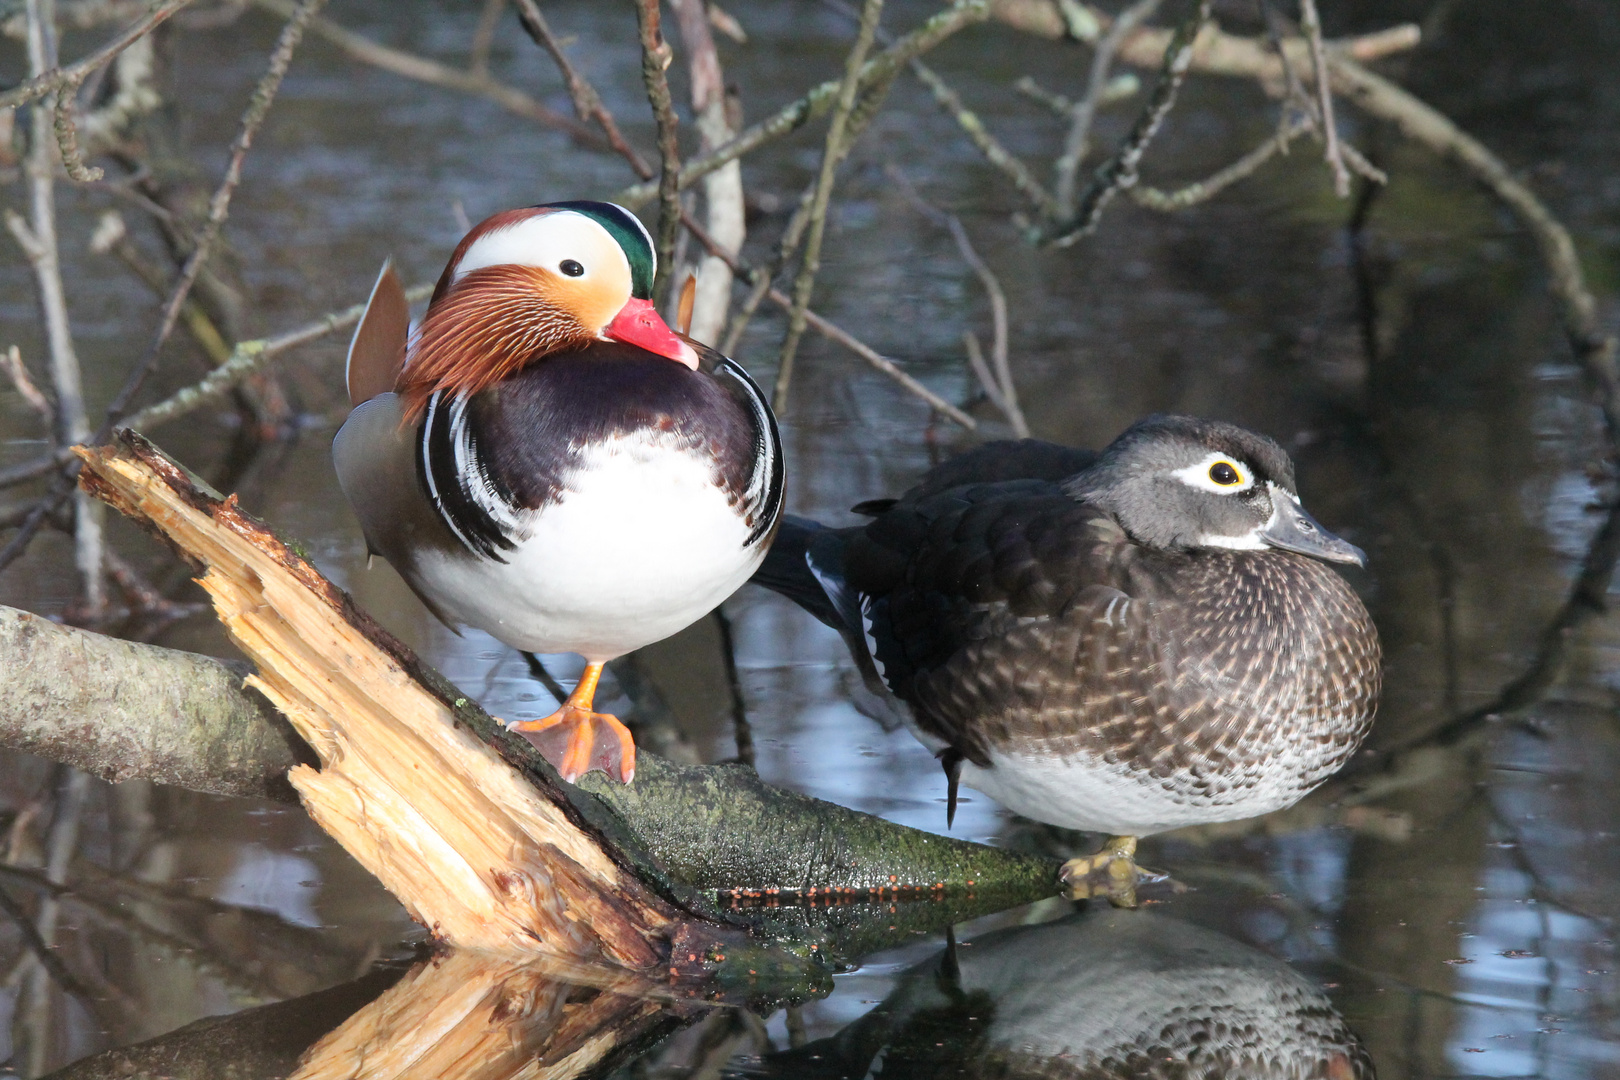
x: 521, y: 285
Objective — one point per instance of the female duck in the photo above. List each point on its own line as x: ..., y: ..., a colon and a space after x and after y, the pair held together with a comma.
x: 1123, y: 643
x: 544, y: 459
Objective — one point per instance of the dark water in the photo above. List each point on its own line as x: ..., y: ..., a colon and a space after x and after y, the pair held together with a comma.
x: 1461, y: 925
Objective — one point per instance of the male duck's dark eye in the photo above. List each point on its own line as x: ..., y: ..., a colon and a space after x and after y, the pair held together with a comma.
x: 1224, y: 474
x: 572, y: 268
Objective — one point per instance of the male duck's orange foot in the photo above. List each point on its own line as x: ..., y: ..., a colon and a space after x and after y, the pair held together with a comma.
x: 577, y: 740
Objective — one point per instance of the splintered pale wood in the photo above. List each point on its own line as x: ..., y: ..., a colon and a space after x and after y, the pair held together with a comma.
x: 474, y: 1017
x: 474, y: 850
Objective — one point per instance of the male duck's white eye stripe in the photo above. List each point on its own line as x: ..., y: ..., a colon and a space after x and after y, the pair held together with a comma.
x: 544, y: 240
x: 1199, y: 475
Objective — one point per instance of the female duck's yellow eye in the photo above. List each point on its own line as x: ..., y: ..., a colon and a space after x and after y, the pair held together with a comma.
x: 1224, y: 474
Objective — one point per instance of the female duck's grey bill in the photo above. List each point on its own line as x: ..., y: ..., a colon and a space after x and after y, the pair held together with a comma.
x: 1292, y: 529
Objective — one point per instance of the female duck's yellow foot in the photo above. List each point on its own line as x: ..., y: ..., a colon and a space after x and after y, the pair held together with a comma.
x: 577, y: 740
x: 1111, y: 873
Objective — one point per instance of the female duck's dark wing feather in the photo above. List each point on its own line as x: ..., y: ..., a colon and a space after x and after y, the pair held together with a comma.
x: 967, y: 592
x: 518, y: 445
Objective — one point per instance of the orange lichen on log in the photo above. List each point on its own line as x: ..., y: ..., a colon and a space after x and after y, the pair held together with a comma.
x: 484, y: 856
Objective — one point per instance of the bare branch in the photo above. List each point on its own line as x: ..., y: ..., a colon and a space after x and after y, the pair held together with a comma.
x: 484, y: 37
x: 56, y: 77
x: 1311, y: 24
x: 1084, y: 111
x: 436, y: 74
x: 832, y: 152
x: 722, y: 189
x: 12, y: 363
x: 819, y: 101
x: 219, y: 206
x: 587, y: 102
x: 39, y: 242
x: 655, y: 58
x: 1120, y: 171
x: 67, y: 137
x: 998, y: 384
x: 1203, y: 190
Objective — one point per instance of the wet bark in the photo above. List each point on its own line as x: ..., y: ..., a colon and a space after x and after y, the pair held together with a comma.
x: 121, y: 710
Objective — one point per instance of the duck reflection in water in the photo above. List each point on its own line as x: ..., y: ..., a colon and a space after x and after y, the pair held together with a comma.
x: 1127, y: 642
x: 1105, y: 995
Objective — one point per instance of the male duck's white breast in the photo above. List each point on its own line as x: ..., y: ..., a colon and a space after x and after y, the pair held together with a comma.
x: 639, y: 544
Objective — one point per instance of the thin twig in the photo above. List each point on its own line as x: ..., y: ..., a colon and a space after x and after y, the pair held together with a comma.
x: 1078, y: 140
x: 245, y: 359
x: 655, y: 58
x: 981, y: 369
x: 484, y: 37
x: 219, y: 206
x: 434, y: 73
x: 67, y: 137
x: 1119, y: 88
x: 38, y: 238
x: 1120, y: 171
x: 740, y: 727
x: 1311, y: 24
x: 994, y: 151
x: 11, y: 362
x: 819, y: 101
x: 588, y: 104
x: 839, y: 336
x: 57, y: 77
x: 997, y: 379
x: 832, y: 152
x: 1203, y: 190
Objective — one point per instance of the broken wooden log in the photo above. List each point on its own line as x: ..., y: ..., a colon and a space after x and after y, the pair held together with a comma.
x: 484, y: 855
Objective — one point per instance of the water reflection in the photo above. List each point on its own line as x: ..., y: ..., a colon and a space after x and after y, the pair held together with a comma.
x: 1105, y: 995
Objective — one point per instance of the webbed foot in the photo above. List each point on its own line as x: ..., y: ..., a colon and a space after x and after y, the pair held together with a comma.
x: 577, y: 739
x: 1111, y: 873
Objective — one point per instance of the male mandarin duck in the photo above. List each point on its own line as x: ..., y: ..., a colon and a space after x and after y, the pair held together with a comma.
x: 545, y: 460
x: 1126, y: 642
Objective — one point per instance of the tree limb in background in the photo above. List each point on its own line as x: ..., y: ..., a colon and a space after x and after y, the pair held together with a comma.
x: 434, y: 73
x: 53, y: 79
x: 832, y: 152
x: 38, y: 238
x: 819, y: 101
x: 722, y: 189
x: 1077, y: 142
x: 1120, y: 171
x: 655, y: 59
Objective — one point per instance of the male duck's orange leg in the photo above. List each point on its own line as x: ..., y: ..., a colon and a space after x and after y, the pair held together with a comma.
x: 593, y: 737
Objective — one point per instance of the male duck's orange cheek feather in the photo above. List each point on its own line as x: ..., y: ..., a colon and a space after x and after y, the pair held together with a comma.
x: 491, y: 323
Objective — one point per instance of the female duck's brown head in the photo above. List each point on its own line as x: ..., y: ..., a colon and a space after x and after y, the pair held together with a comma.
x: 527, y: 283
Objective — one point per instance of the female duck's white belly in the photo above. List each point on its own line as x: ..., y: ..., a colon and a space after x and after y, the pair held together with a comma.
x: 640, y: 545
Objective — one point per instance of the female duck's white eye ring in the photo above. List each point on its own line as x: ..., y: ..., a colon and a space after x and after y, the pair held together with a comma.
x: 1218, y: 473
